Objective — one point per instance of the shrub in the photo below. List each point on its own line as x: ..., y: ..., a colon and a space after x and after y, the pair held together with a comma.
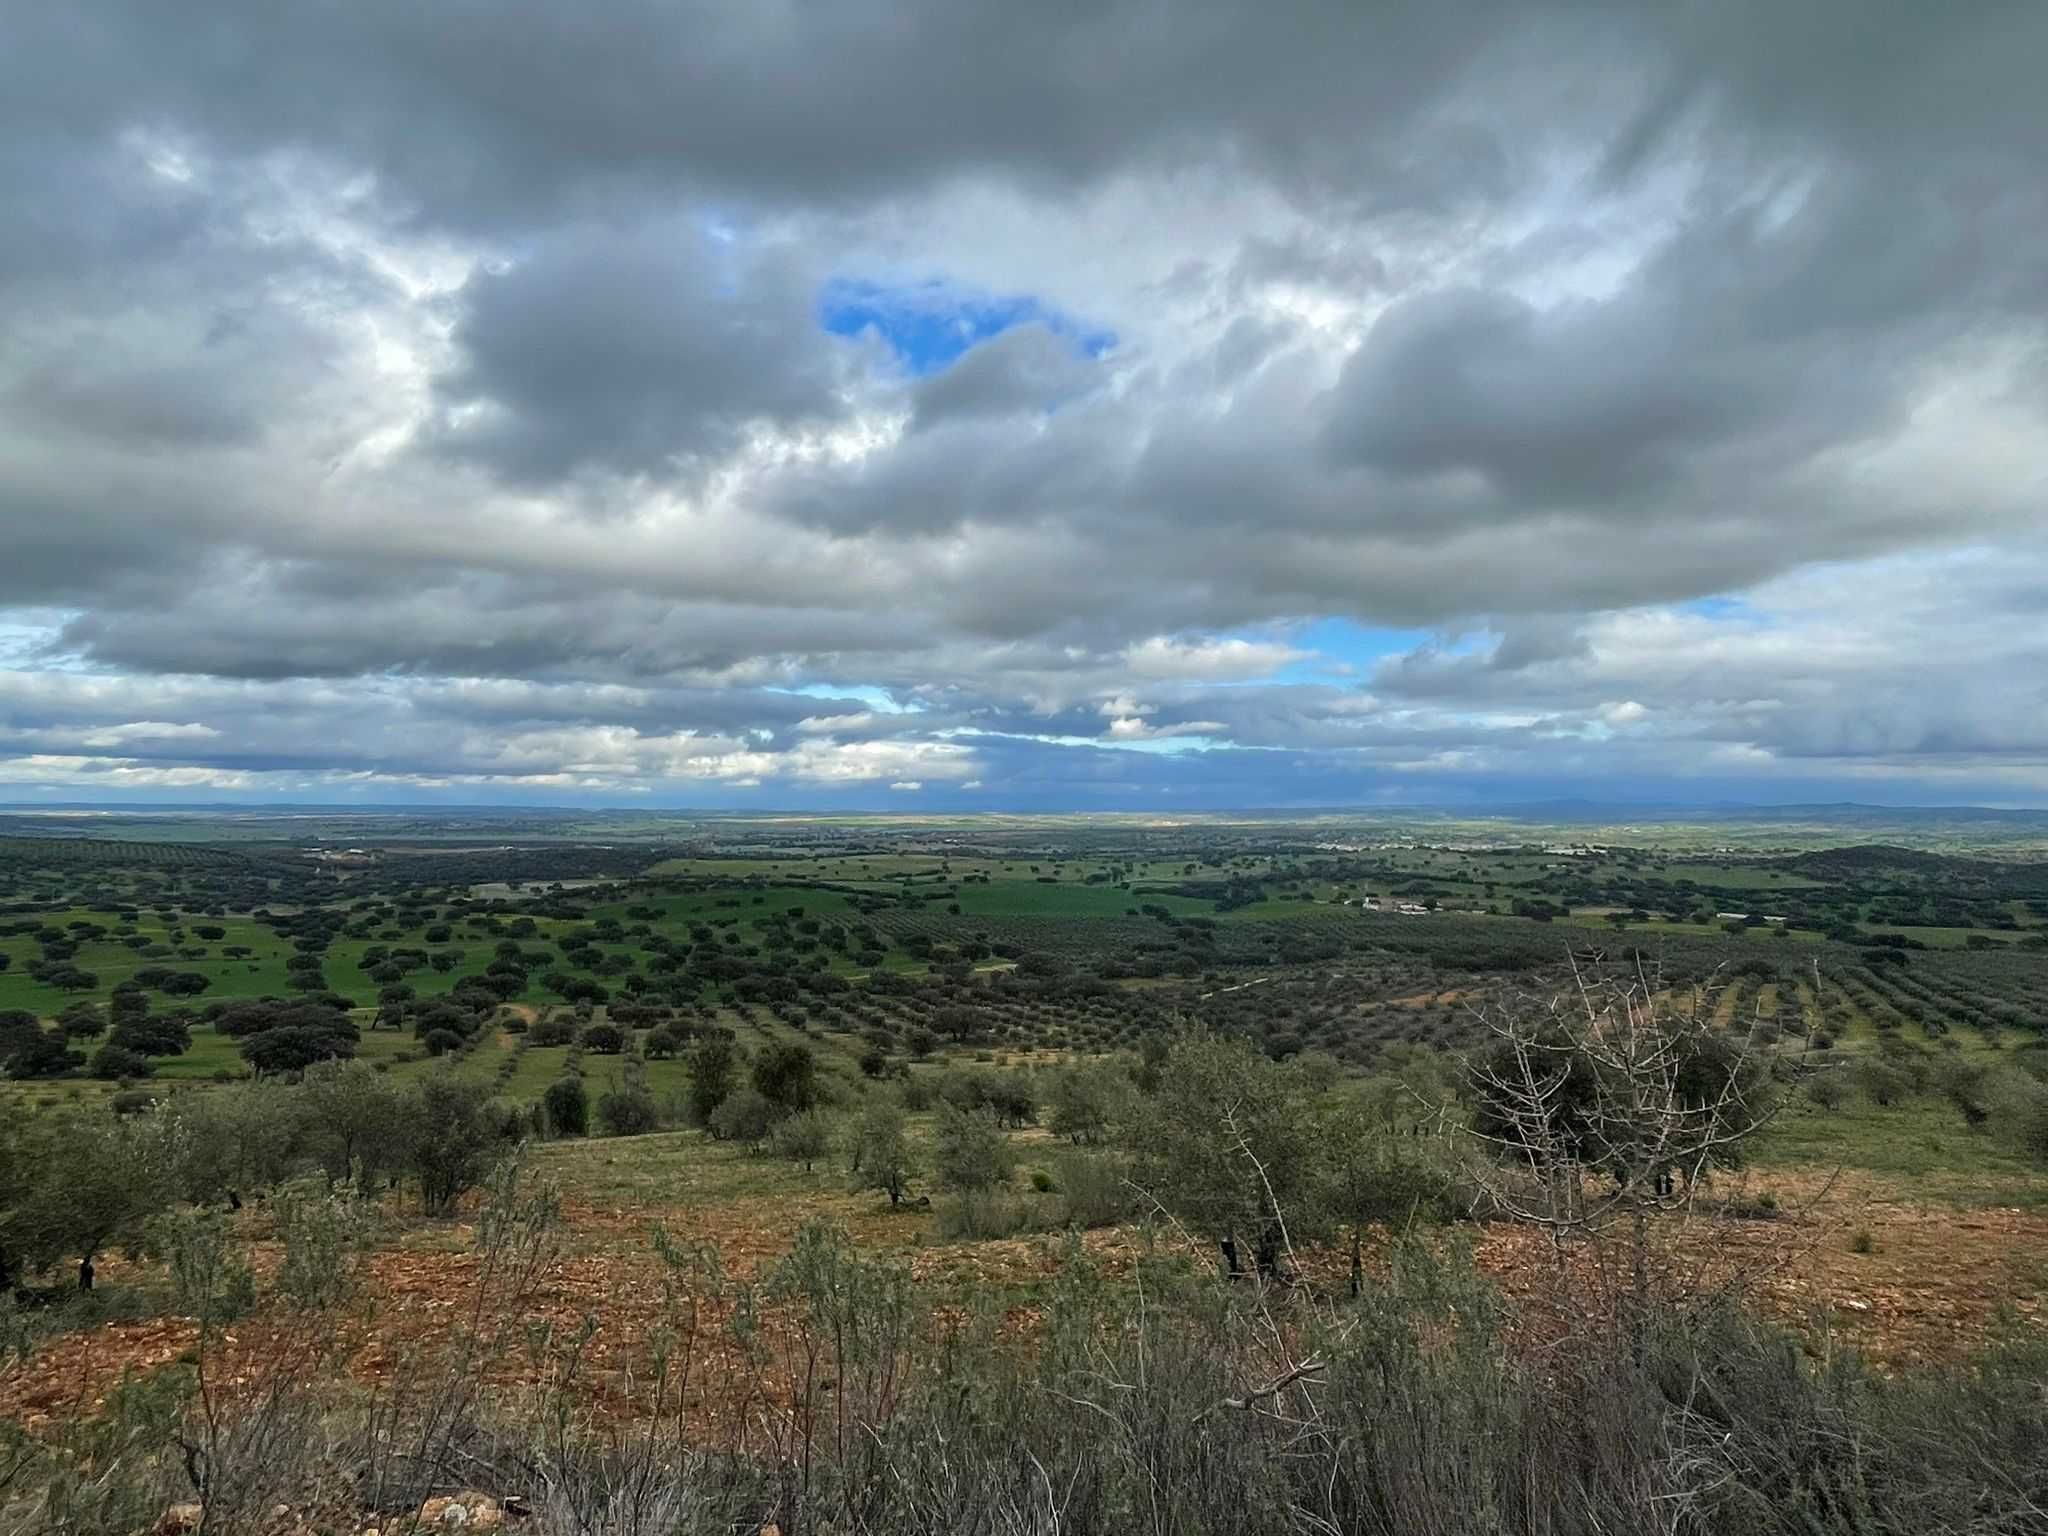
x: 1881, y: 1083
x: 743, y: 1116
x: 439, y: 1042
x: 804, y: 1138
x: 969, y: 1150
x: 714, y: 1061
x: 453, y: 1143
x: 1827, y: 1090
x: 627, y: 1108
x: 1094, y: 1190
x: 566, y: 1107
x: 552, y: 1030
x: 82, y: 1183
x: 2018, y: 1113
x: 981, y: 1215
x: 604, y: 1039
x: 1088, y: 1100
x: 786, y: 1075
x: 113, y: 1062
x: 42, y: 1056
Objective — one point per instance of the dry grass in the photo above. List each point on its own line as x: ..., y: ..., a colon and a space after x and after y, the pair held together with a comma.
x: 1937, y: 1280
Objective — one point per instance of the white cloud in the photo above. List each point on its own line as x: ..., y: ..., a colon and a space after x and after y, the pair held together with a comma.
x: 1131, y: 728
x: 1209, y: 660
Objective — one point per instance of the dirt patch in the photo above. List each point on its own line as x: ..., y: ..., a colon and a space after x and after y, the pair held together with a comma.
x: 1853, y: 1261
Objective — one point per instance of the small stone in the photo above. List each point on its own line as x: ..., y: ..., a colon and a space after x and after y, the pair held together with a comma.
x: 465, y: 1511
x: 180, y: 1518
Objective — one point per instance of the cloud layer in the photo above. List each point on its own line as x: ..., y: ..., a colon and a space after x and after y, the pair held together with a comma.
x: 969, y: 405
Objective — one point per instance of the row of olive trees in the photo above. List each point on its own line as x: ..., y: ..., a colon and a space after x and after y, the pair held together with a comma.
x: 74, y: 1185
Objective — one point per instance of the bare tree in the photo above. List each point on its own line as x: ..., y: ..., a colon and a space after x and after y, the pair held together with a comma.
x: 1609, y: 1103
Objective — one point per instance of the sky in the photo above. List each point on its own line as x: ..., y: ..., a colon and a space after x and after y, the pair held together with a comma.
x: 950, y: 404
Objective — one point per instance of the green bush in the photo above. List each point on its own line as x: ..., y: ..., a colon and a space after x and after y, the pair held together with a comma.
x: 1094, y: 1188
x: 981, y: 1215
x: 786, y: 1075
x: 567, y: 1107
x: 553, y: 1030
x: 454, y: 1141
x: 1880, y: 1082
x: 743, y: 1116
x: 804, y: 1138
x: 1827, y: 1090
x: 627, y: 1107
x: 714, y: 1064
x: 970, y: 1153
x: 351, y: 1121
x: 111, y: 1062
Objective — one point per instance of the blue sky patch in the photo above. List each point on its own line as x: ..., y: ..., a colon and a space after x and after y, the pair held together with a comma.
x: 1719, y: 608
x: 876, y: 699
x: 1342, y: 643
x: 928, y: 325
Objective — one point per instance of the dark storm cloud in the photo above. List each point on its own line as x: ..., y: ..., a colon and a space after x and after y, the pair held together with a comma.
x: 470, y: 627
x: 1477, y: 381
x: 480, y: 111
x: 1025, y: 370
x: 1754, y: 338
x: 633, y: 350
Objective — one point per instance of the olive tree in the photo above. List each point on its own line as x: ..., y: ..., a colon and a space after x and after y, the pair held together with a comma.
x: 355, y: 1121
x: 453, y: 1144
x: 1229, y: 1147
x: 882, y: 1154
x: 970, y: 1153
x: 82, y: 1184
x: 714, y: 1066
x: 804, y: 1138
